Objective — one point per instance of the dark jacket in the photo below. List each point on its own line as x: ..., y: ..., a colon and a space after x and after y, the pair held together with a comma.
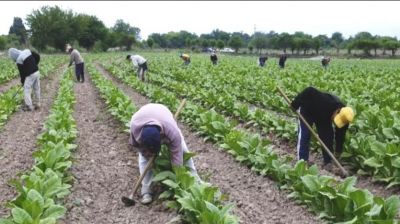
x: 28, y: 66
x: 318, y: 107
x: 213, y: 57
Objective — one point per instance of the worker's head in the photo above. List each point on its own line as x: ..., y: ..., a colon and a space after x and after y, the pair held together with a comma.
x: 151, y: 140
x: 128, y: 57
x: 343, y: 117
x: 14, y: 53
x: 68, y: 48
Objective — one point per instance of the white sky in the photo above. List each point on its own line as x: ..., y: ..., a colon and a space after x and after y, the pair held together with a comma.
x: 323, y: 17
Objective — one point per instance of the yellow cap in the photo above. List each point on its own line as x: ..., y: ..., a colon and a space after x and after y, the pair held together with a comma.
x: 344, y: 117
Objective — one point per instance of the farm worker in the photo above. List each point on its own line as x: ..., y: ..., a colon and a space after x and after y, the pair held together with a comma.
x: 282, y: 59
x: 262, y: 59
x: 140, y: 63
x: 75, y: 57
x: 322, y: 109
x: 27, y: 62
x: 185, y: 58
x: 214, y: 58
x: 150, y: 127
x: 325, y: 62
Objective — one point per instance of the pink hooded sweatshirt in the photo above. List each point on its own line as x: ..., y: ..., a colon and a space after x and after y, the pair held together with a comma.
x: 160, y: 115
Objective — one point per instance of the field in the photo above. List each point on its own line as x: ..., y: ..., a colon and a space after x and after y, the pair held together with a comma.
x: 70, y: 162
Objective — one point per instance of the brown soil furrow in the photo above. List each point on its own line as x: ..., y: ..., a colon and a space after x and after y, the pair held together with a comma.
x: 18, y: 139
x: 257, y: 198
x: 104, y: 168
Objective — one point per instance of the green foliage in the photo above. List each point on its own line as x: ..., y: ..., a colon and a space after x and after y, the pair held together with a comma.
x: 336, y: 201
x: 40, y: 190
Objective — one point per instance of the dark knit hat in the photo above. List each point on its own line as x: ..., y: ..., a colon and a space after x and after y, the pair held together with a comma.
x: 151, y: 138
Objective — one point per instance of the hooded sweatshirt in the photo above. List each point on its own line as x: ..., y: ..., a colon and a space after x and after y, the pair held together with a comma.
x: 27, y: 62
x: 160, y: 115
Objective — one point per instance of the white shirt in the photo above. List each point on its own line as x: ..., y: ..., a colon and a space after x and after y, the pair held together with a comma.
x: 137, y: 60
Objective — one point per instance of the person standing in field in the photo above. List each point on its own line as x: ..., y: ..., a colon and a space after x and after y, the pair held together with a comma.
x: 282, y: 59
x: 28, y: 66
x: 325, y: 62
x: 185, y: 58
x: 75, y: 57
x: 214, y: 58
x: 140, y: 63
x: 150, y: 127
x: 262, y: 59
x: 322, y: 109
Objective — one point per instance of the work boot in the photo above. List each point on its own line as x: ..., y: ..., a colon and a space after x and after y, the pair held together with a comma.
x: 36, y: 107
x: 146, y: 199
x: 27, y: 108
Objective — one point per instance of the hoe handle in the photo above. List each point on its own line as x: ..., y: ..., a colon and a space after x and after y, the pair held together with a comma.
x: 345, y: 173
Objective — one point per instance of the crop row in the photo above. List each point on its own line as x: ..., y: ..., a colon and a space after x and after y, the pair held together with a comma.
x: 333, y: 200
x: 373, y: 146
x: 199, y: 202
x: 41, y: 190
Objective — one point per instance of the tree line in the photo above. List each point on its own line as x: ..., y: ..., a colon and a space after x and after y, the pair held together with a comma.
x: 50, y: 28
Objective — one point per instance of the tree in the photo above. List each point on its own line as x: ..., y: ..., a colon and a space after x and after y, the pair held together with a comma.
x: 236, y: 42
x: 19, y: 30
x: 150, y: 42
x: 318, y: 42
x: 389, y: 43
x: 50, y: 26
x: 337, y: 40
x: 364, y: 41
x: 88, y: 30
x: 284, y: 41
x: 220, y: 44
x: 259, y: 41
x: 126, y: 34
x: 3, y: 42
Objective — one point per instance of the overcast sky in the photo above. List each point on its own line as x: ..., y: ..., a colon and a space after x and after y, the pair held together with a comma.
x: 323, y: 17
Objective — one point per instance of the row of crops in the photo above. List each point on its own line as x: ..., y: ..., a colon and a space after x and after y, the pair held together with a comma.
x: 332, y: 199
x: 236, y: 86
x: 218, y: 98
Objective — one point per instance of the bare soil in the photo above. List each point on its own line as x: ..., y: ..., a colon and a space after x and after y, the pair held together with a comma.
x: 18, y: 139
x: 104, y: 168
x: 257, y: 198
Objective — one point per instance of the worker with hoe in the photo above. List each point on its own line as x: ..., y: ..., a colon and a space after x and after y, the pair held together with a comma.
x: 262, y: 59
x: 75, y: 57
x: 214, y: 58
x: 140, y: 63
x: 282, y: 59
x: 322, y: 109
x: 325, y: 62
x: 150, y: 127
x: 27, y: 63
x: 185, y: 58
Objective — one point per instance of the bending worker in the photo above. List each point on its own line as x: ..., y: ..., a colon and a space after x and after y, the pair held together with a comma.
x: 151, y: 126
x: 140, y: 63
x: 185, y: 58
x: 322, y: 109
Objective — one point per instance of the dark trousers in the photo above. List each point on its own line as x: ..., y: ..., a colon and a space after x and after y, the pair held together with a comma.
x: 79, y: 72
x: 325, y: 132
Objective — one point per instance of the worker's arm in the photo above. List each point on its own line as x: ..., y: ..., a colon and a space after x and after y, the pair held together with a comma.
x: 72, y: 58
x: 340, y: 134
x: 21, y: 73
x: 175, y: 146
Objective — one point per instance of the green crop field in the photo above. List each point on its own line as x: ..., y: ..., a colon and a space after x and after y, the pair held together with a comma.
x: 76, y: 160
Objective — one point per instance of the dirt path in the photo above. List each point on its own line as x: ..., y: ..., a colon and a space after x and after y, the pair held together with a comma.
x: 104, y: 167
x: 257, y: 198
x: 18, y: 139
x: 6, y: 86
